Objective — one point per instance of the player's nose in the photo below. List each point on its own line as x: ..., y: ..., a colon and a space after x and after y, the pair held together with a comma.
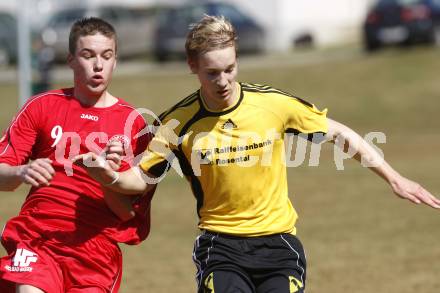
x: 97, y: 65
x: 222, y: 81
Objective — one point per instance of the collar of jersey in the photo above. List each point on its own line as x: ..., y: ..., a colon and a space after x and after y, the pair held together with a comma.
x: 228, y: 109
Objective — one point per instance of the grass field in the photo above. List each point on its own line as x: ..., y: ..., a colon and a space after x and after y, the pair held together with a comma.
x: 358, y: 236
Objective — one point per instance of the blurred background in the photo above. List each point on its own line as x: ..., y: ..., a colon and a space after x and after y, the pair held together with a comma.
x: 374, y: 64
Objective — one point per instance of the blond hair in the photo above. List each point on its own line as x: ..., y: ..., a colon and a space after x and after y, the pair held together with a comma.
x: 210, y: 33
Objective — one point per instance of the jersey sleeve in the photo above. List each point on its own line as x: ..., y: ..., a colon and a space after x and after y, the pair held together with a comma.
x: 159, y: 154
x: 300, y: 116
x: 17, y: 143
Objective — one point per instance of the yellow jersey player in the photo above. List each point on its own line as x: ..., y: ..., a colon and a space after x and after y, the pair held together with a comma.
x: 228, y: 139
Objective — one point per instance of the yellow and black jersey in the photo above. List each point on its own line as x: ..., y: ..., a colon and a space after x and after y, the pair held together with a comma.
x: 235, y: 159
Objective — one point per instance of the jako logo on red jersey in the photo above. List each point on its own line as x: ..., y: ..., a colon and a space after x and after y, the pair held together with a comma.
x: 90, y: 117
x: 22, y: 261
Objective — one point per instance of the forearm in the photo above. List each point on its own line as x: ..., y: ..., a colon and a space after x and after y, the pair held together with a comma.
x: 119, y: 204
x: 129, y: 182
x: 352, y: 143
x: 9, y: 177
x: 370, y: 158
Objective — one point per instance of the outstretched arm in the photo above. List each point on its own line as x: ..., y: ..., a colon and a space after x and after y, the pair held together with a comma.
x: 401, y: 186
x: 129, y: 182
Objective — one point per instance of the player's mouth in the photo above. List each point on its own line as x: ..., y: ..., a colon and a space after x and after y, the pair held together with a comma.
x: 97, y: 79
x: 223, y: 93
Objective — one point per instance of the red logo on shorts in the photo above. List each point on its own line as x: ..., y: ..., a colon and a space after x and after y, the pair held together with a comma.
x: 22, y: 260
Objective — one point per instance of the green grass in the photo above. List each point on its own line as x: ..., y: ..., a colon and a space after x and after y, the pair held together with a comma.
x: 358, y: 236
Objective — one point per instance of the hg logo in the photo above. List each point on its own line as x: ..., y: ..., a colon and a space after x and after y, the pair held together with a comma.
x: 24, y: 257
x: 22, y: 260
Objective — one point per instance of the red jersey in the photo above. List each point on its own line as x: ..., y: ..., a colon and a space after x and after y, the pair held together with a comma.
x: 57, y: 126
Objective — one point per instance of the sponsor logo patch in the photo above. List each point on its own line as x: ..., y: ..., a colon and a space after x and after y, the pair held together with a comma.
x: 22, y: 261
x: 89, y: 117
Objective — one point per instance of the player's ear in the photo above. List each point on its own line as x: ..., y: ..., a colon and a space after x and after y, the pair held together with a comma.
x: 193, y: 65
x: 69, y: 59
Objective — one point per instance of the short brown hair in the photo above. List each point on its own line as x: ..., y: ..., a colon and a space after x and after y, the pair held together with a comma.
x: 90, y: 26
x: 210, y: 33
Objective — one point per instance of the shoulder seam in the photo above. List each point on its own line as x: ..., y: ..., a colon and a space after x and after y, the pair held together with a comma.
x: 185, y: 102
x: 28, y: 103
x: 134, y: 109
x: 268, y: 89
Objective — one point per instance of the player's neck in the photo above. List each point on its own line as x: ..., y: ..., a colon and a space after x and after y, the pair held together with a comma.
x: 216, y: 104
x: 103, y: 101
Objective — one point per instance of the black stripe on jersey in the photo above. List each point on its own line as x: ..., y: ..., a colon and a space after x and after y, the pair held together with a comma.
x: 196, y: 186
x: 183, y: 103
x: 315, y: 137
x: 187, y: 169
x: 160, y: 168
x: 255, y: 85
x: 267, y: 89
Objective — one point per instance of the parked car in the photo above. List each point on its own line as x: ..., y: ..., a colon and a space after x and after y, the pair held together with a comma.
x: 8, y: 39
x: 173, y: 23
x: 392, y: 22
x: 134, y: 30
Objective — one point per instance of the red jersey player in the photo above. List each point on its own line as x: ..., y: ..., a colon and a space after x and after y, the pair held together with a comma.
x: 65, y: 237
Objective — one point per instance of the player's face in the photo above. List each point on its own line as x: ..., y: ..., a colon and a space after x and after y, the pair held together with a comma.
x: 217, y: 71
x: 93, y: 64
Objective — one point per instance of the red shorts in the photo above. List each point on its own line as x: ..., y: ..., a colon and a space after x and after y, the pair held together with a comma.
x: 92, y: 266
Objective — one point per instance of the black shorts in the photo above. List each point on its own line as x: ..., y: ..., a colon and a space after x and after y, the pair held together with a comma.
x: 230, y: 264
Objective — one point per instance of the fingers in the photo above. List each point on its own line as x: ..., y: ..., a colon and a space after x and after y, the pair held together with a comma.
x: 113, y: 153
x: 113, y: 165
x: 47, y: 165
x: 37, y: 173
x: 414, y: 192
x: 115, y: 147
x: 29, y: 180
x: 418, y: 195
x: 433, y: 198
x: 411, y: 198
x: 427, y: 198
x: 89, y: 160
x: 79, y: 160
x: 114, y: 160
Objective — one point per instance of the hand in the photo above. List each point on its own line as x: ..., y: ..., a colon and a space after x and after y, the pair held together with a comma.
x: 414, y: 192
x: 113, y: 154
x: 37, y: 173
x: 97, y: 167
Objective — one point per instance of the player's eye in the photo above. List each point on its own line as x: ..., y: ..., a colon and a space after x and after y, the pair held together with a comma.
x: 212, y: 72
x: 107, y: 56
x: 86, y: 55
x: 229, y: 69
